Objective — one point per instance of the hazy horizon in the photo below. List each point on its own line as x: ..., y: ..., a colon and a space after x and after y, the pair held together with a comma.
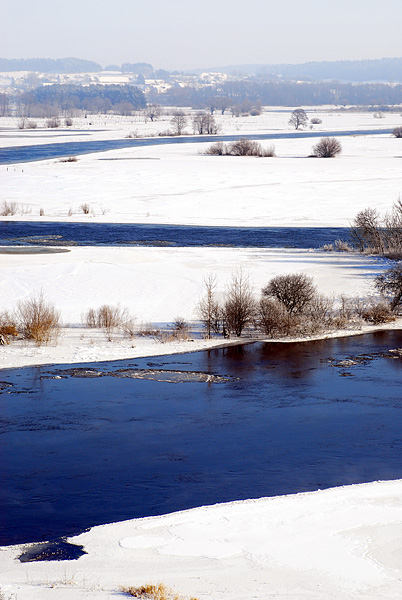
x: 180, y: 36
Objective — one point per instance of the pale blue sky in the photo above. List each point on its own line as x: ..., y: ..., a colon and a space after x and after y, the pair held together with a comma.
x: 180, y: 34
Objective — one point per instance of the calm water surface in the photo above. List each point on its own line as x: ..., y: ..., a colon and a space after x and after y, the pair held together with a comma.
x: 20, y: 154
x: 25, y: 233
x: 76, y: 451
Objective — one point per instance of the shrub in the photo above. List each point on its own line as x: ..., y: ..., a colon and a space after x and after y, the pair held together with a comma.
x: 397, y: 132
x: 38, y: 319
x: 152, y: 592
x: 68, y: 122
x: 216, y: 149
x: 110, y: 318
x: 69, y: 159
x: 294, y: 291
x: 180, y: 329
x: 53, y: 123
x: 378, y: 312
x: 8, y: 327
x: 85, y: 208
x: 8, y: 209
x: 315, y: 121
x: 241, y: 147
x: 327, y: 148
x: 244, y: 147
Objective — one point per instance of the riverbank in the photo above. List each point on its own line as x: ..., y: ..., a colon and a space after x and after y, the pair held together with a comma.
x: 156, y: 285
x: 341, y: 542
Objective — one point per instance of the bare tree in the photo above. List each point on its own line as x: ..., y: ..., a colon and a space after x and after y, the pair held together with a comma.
x: 178, y: 122
x: 366, y: 231
x: 327, y: 147
x: 390, y: 284
x: 204, y: 122
x: 294, y: 291
x: 208, y: 307
x: 298, y: 118
x: 272, y: 316
x: 239, y: 308
x: 153, y: 111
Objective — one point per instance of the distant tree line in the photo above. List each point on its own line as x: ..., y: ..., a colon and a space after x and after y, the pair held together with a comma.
x: 65, y: 99
x: 383, y: 69
x: 49, y: 65
x: 279, y: 94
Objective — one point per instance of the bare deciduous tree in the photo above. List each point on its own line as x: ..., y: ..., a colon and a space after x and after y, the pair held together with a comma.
x: 239, y: 308
x: 366, y: 230
x: 178, y: 122
x: 204, y: 123
x: 327, y: 147
x: 208, y: 307
x: 294, y: 291
x: 390, y: 284
x: 153, y: 111
x: 298, y: 118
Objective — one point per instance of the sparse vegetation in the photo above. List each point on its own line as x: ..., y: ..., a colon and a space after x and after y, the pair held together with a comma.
x: 397, y: 132
x: 110, y: 318
x: 153, y: 592
x: 9, y: 208
x: 69, y: 159
x: 315, y: 121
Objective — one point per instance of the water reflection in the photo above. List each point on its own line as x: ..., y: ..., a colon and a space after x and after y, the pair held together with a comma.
x: 79, y: 451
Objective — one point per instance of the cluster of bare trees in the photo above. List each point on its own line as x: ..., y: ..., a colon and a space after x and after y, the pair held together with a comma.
x: 379, y: 234
x: 289, y: 305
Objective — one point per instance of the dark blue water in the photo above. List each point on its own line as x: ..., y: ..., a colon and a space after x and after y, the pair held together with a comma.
x: 24, y: 233
x: 76, y: 452
x: 20, y: 154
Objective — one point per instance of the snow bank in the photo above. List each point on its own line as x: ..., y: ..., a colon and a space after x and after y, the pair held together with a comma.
x: 342, y: 543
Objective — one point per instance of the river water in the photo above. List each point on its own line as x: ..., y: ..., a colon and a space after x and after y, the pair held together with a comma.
x: 25, y: 233
x: 112, y: 441
x: 35, y: 152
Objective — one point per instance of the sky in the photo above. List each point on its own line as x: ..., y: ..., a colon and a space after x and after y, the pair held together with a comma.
x: 181, y: 34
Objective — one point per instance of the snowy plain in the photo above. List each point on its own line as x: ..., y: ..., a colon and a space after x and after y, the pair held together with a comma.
x: 342, y: 543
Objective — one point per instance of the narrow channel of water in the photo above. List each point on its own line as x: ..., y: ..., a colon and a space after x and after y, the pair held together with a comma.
x: 18, y: 154
x: 26, y: 233
x: 112, y: 441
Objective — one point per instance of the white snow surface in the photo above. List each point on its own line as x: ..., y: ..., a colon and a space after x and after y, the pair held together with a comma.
x: 179, y: 184
x: 343, y: 543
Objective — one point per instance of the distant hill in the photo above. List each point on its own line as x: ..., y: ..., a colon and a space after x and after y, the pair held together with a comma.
x: 49, y: 65
x: 381, y: 69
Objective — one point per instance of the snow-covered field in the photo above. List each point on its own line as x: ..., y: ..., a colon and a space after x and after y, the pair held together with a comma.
x: 179, y: 184
x: 342, y: 543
